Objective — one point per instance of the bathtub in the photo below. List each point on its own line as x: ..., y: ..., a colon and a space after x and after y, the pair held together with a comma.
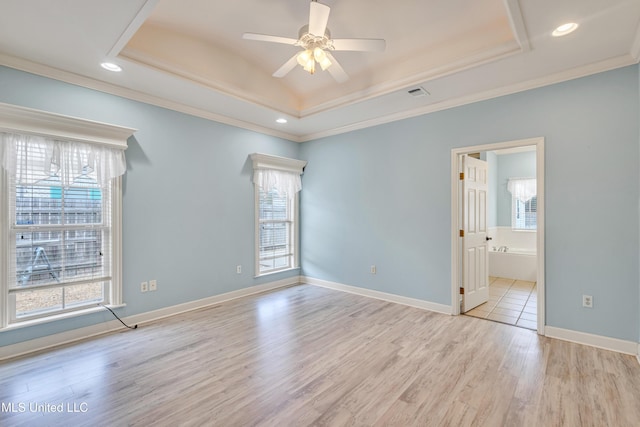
x: 520, y: 264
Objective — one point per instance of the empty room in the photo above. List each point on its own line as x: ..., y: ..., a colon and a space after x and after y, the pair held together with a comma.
x: 320, y: 213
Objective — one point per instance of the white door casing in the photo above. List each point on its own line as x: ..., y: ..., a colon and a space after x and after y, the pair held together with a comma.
x: 475, y: 257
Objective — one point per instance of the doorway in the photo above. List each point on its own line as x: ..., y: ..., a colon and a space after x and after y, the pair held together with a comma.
x: 537, y: 292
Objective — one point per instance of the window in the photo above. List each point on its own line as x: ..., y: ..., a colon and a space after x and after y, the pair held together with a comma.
x: 277, y: 233
x: 277, y: 183
x: 60, y: 224
x: 524, y: 203
x: 62, y: 245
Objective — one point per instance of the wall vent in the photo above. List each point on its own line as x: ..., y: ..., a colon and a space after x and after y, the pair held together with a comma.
x: 419, y: 91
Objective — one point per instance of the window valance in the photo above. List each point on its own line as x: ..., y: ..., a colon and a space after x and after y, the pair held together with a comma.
x: 280, y: 174
x: 523, y: 189
x: 48, y: 143
x: 30, y: 159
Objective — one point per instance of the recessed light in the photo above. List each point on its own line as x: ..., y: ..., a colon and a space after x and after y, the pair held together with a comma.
x: 281, y: 121
x: 111, y: 67
x: 564, y: 29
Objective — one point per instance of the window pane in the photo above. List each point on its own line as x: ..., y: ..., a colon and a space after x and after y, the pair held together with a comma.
x: 83, y: 254
x: 38, y: 301
x: 275, y: 264
x: 83, y: 294
x: 273, y: 206
x: 275, y: 232
x: 274, y: 237
x: 38, y: 257
x: 39, y: 204
x: 83, y: 205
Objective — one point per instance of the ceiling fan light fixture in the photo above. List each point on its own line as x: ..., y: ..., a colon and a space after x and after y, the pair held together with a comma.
x: 304, y: 57
x: 321, y: 58
x: 319, y: 55
x: 310, y: 66
x: 316, y: 43
x: 325, y: 63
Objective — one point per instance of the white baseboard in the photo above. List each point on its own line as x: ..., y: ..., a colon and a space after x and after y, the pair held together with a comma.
x: 599, y: 341
x: 412, y: 302
x: 43, y: 343
x: 638, y: 353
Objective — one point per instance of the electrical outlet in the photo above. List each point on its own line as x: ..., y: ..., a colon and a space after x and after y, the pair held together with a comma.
x: 238, y: 269
x: 373, y: 269
x: 144, y: 287
x: 587, y: 301
x: 153, y: 285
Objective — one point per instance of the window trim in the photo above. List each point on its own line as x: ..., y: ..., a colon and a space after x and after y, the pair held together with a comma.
x: 295, y: 244
x: 16, y: 119
x: 283, y: 164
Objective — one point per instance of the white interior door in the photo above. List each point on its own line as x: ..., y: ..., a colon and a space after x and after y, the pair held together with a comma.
x: 475, y: 258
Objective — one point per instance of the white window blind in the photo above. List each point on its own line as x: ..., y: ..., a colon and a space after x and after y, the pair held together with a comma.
x: 524, y: 203
x: 276, y: 229
x: 277, y: 183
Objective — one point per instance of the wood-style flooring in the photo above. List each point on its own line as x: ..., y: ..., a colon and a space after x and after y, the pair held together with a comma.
x: 307, y: 355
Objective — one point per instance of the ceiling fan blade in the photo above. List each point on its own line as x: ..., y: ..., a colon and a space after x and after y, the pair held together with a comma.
x: 318, y: 18
x: 287, y: 67
x: 362, y: 45
x: 268, y: 38
x: 336, y: 71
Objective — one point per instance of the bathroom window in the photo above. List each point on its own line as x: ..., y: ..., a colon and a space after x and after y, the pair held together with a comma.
x: 523, y: 214
x: 524, y: 203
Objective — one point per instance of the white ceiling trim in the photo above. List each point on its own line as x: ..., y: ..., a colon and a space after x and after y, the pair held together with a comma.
x: 494, y: 54
x: 635, y: 46
x: 587, y: 70
x: 134, y: 25
x: 14, y: 118
x: 517, y: 24
x: 89, y: 83
x: 150, y: 61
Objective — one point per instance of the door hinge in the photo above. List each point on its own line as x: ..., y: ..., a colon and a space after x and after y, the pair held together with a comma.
x: 461, y: 176
x: 461, y: 291
x: 461, y: 233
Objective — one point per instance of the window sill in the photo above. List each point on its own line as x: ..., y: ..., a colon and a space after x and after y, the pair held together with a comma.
x: 56, y: 317
x: 271, y: 273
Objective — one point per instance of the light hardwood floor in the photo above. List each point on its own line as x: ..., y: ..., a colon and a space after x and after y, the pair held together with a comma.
x: 306, y: 355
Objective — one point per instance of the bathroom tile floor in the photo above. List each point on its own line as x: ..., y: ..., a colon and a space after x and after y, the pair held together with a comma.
x: 510, y: 301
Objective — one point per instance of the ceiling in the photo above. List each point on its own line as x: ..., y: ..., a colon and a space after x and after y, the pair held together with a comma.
x: 189, y: 55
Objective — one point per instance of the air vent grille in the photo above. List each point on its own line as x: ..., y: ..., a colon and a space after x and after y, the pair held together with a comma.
x: 418, y: 91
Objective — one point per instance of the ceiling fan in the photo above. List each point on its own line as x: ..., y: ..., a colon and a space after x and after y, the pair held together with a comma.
x: 317, y: 44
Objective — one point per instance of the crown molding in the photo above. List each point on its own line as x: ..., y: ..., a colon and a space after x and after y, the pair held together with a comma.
x: 472, y: 61
x: 517, y: 24
x: 42, y: 123
x: 65, y: 76
x: 574, y: 73
x: 135, y: 24
x: 90, y: 83
x: 635, y: 46
x: 267, y: 161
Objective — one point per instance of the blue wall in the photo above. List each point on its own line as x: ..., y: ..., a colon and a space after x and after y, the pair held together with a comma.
x: 188, y: 215
x: 382, y: 196
x: 516, y: 165
x: 375, y: 196
x: 492, y: 182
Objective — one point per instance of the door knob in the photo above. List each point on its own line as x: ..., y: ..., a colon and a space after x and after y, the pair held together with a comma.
x: 489, y: 238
